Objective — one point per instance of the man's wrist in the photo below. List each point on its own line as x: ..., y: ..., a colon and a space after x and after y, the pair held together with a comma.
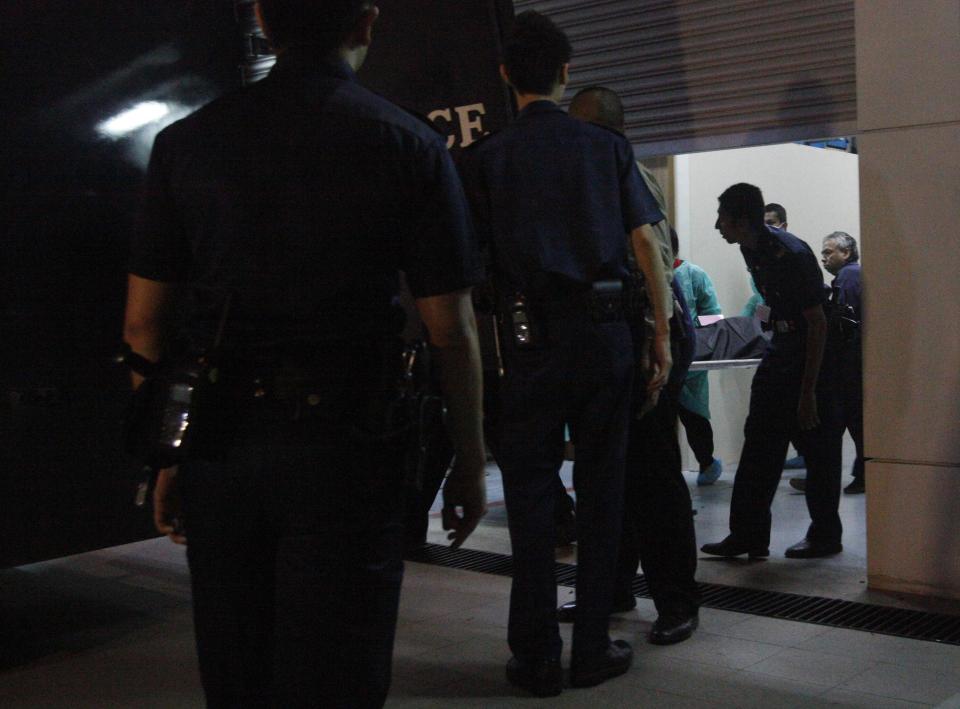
x: 472, y: 457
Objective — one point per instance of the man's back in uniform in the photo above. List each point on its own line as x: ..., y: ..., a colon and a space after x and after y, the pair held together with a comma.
x: 551, y: 206
x: 657, y: 522
x: 302, y: 191
x: 553, y: 199
x: 288, y: 208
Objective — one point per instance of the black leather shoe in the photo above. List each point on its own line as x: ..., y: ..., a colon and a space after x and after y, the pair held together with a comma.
x: 805, y: 549
x: 672, y: 629
x: 730, y: 547
x: 568, y: 611
x: 856, y: 487
x: 591, y: 671
x: 543, y: 678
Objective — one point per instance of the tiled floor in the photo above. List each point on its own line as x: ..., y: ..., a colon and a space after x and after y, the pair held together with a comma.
x: 454, y: 657
x: 112, y: 629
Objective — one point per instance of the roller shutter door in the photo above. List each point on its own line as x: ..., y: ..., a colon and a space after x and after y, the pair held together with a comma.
x: 710, y: 74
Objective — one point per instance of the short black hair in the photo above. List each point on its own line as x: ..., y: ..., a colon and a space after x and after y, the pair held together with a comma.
x: 534, y: 53
x: 600, y: 105
x: 847, y: 243
x: 320, y: 25
x: 778, y: 209
x: 743, y: 200
x: 674, y: 242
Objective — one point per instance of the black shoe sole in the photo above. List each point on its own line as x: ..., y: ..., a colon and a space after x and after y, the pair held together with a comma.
x: 600, y: 674
x: 815, y: 553
x: 752, y: 554
x: 592, y: 679
x: 665, y: 639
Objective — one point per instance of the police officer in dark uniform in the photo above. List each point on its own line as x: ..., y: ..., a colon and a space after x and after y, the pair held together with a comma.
x: 658, y: 528
x: 289, y: 208
x: 840, y: 256
x: 554, y: 197
x: 791, y: 395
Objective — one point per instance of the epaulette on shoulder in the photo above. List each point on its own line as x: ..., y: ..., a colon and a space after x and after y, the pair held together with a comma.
x: 782, y: 244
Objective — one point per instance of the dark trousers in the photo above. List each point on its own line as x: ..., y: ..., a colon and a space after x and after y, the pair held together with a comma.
x: 658, y: 529
x: 771, y: 423
x: 582, y: 377
x: 699, y: 435
x: 420, y: 493
x: 295, y: 560
x: 851, y: 398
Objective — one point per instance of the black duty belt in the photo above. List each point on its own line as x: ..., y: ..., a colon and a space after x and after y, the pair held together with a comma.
x: 603, y: 301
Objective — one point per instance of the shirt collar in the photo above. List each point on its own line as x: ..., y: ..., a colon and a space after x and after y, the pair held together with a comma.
x: 537, y: 107
x: 302, y: 64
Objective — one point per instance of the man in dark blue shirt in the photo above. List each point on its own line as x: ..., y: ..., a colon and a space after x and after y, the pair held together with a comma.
x: 841, y: 257
x: 297, y: 201
x: 553, y: 199
x: 791, y: 393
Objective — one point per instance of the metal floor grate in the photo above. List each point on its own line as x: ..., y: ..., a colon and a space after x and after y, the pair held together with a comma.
x: 916, y: 625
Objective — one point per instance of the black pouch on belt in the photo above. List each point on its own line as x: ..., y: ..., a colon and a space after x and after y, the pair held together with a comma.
x: 179, y: 410
x: 522, y: 325
x: 173, y: 414
x: 606, y: 301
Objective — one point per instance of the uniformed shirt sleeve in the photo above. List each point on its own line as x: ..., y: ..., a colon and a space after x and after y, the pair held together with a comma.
x: 848, y: 284
x: 159, y: 249
x: 809, y: 281
x: 636, y: 202
x: 441, y: 254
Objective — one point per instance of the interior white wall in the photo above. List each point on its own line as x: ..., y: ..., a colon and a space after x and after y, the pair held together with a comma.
x: 820, y: 190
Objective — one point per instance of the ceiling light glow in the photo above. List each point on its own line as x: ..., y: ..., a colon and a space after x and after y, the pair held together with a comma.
x: 134, y: 118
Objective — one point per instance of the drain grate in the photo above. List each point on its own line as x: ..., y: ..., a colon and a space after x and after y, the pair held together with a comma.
x: 834, y: 612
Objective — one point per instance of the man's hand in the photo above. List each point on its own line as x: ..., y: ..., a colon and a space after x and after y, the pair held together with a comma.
x: 807, y: 412
x: 453, y: 331
x: 647, y: 252
x: 465, y: 488
x: 661, y: 361
x: 167, y: 506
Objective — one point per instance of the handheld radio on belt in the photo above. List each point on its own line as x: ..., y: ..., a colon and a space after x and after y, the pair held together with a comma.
x: 167, y: 415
